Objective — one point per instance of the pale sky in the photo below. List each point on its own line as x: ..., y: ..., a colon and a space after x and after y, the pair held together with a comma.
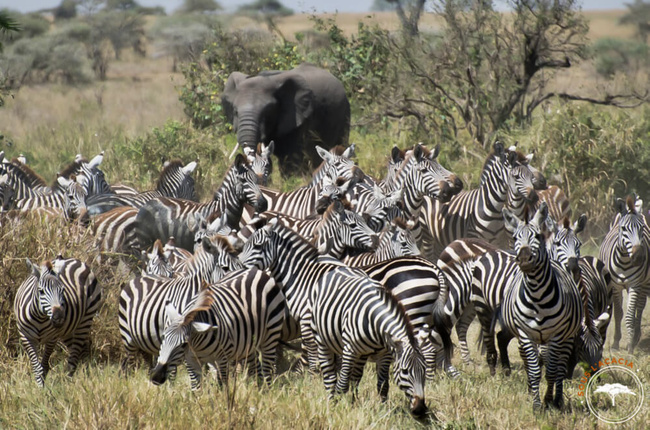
x: 307, y: 6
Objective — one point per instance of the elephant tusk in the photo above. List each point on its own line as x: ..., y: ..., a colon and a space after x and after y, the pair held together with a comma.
x: 232, y: 154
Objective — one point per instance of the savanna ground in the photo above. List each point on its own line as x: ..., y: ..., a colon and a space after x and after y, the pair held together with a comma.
x: 51, y: 123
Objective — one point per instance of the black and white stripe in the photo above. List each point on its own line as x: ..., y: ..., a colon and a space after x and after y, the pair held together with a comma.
x: 56, y: 303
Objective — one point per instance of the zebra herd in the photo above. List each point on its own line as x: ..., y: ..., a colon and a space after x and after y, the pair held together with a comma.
x: 352, y: 267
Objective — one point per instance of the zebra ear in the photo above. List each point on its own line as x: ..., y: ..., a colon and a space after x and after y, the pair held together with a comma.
x: 350, y: 151
x: 620, y: 206
x: 267, y: 150
x: 580, y: 224
x: 434, y: 154
x: 36, y: 271
x: 189, y: 168
x: 396, y: 155
x: 64, y: 182
x: 498, y: 148
x: 241, y: 164
x: 324, y: 154
x: 511, y: 222
x: 96, y: 161
x: 396, y: 345
x: 551, y: 225
x: 171, y: 313
x: 418, y: 152
x: 201, y: 327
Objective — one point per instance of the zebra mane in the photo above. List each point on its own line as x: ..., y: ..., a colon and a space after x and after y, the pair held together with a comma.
x: 630, y: 203
x: 213, y: 216
x: 527, y: 214
x: 338, y: 150
x: 566, y: 222
x: 168, y: 170
x: 400, y: 223
x: 72, y: 168
x: 26, y: 174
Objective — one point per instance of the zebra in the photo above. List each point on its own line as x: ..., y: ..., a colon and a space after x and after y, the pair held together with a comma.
x: 260, y: 161
x: 114, y: 230
x: 156, y: 262
x: 56, y: 303
x: 355, y: 319
x: 542, y: 307
x: 506, y: 180
x: 233, y: 320
x: 24, y: 182
x: 143, y: 299
x: 397, y: 241
x: 69, y: 200
x: 97, y: 184
x: 625, y: 250
x: 175, y: 181
x: 558, y: 203
x: 164, y: 217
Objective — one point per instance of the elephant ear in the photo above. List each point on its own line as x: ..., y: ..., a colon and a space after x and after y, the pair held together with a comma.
x: 296, y: 103
x: 230, y: 92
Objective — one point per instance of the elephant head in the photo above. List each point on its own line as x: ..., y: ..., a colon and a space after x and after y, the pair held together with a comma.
x: 266, y: 106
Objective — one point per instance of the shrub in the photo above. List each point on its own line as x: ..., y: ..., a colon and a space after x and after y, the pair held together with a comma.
x: 619, y: 55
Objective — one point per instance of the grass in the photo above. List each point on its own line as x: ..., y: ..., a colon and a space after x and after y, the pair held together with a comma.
x: 51, y: 123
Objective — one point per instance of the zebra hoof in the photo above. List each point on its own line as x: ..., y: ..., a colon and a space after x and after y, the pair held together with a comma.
x: 507, y: 371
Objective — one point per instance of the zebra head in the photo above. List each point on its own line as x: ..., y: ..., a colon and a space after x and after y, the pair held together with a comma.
x: 336, y: 189
x: 424, y: 176
x: 631, y: 243
x: 336, y: 163
x: 383, y: 208
x: 261, y: 249
x: 96, y: 179
x: 223, y: 255
x: 156, y: 262
x: 260, y: 161
x: 410, y: 371
x: 51, y: 297
x: 177, y: 332
x: 341, y: 228
x: 76, y: 191
x: 176, y: 180
x: 563, y: 244
x: 520, y: 178
x: 529, y: 237
x: 246, y: 188
x: 216, y: 223
x: 402, y: 239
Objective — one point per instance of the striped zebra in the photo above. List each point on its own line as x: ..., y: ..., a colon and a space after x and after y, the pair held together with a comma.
x: 69, y: 199
x: 354, y: 319
x: 454, y: 307
x: 114, y: 230
x: 164, y: 217
x: 260, y: 161
x: 143, y: 299
x: 56, y: 303
x: 237, y: 319
x: 175, y: 180
x: 397, y: 241
x: 24, y: 182
x: 506, y: 181
x: 97, y: 184
x: 626, y: 253
x: 558, y: 203
x: 156, y: 262
x: 543, y: 307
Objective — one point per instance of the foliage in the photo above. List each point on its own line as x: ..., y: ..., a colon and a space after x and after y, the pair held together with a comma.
x: 67, y: 9
x: 8, y: 24
x: 122, y: 5
x: 32, y: 25
x: 200, y: 6
x: 638, y: 15
x: 246, y: 51
x: 121, y: 28
x: 266, y: 7
x: 619, y: 55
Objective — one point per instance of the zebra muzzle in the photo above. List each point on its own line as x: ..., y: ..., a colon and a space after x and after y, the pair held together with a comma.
x: 418, y: 406
x: 58, y: 317
x: 159, y: 374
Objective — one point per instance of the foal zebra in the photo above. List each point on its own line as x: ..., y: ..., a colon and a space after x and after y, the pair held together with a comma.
x: 232, y: 320
x: 543, y: 307
x: 626, y: 253
x: 355, y: 319
x: 56, y: 303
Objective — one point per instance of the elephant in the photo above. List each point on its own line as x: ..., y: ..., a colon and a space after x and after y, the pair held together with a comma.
x: 298, y: 109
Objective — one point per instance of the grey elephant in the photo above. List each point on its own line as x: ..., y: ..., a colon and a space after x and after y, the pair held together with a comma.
x: 298, y: 109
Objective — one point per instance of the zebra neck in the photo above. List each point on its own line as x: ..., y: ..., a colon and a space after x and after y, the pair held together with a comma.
x: 516, y: 204
x: 227, y: 200
x: 293, y: 253
x: 493, y: 186
x: 539, y: 282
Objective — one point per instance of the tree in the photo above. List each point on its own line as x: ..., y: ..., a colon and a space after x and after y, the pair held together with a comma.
x: 200, y: 6
x: 614, y: 390
x: 489, y: 70
x: 638, y: 15
x: 8, y: 24
x: 409, y: 13
x: 66, y: 10
x: 266, y: 11
x: 122, y: 5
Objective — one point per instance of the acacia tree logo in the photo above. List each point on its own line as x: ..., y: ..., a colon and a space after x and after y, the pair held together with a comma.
x: 614, y: 394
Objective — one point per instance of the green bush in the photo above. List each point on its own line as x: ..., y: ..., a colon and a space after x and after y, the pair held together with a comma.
x: 619, y: 55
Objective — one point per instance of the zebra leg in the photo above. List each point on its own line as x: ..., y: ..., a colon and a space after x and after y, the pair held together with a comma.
x: 383, y: 378
x: 617, y: 304
x: 309, y: 342
x: 504, y: 337
x: 194, y: 369
x: 487, y: 331
x: 268, y: 361
x: 76, y: 348
x: 31, y: 347
x: 636, y: 301
x: 355, y: 376
x: 45, y: 361
x: 327, y: 361
x: 430, y: 356
x: 530, y: 357
x: 252, y: 365
x: 556, y: 369
x: 222, y: 371
x: 348, y: 362
x: 462, y: 325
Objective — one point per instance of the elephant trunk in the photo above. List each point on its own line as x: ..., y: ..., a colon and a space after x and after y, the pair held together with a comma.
x: 248, y: 131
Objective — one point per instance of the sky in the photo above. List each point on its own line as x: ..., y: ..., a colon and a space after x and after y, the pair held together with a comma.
x: 307, y: 6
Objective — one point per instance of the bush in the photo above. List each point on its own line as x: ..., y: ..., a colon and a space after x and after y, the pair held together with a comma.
x: 619, y: 55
